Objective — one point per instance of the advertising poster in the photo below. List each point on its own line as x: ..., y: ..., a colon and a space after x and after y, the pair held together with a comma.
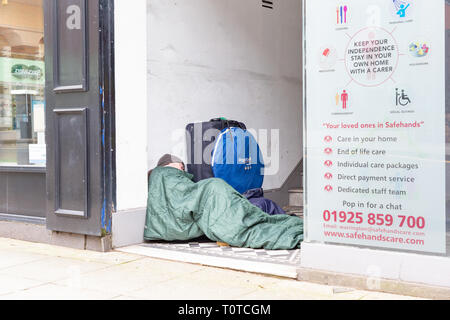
x: 375, y: 123
x: 21, y: 71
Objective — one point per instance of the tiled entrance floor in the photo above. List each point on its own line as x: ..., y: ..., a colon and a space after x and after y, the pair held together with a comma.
x: 279, y: 263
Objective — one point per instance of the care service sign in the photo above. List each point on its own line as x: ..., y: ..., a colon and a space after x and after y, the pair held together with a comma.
x: 375, y: 123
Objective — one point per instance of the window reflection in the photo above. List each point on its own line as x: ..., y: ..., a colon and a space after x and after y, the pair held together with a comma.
x: 22, y: 82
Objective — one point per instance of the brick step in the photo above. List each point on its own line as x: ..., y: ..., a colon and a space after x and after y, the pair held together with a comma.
x: 296, y: 197
x: 298, y: 211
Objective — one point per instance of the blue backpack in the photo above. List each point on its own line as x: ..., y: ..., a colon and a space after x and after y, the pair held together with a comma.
x: 238, y: 160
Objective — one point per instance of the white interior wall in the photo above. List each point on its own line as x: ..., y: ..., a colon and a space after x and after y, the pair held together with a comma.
x: 230, y: 58
x: 131, y: 108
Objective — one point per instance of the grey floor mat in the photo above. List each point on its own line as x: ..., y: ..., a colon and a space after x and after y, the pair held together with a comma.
x: 282, y: 257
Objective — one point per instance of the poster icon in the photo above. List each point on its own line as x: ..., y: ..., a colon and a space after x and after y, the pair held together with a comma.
x: 419, y: 50
x: 402, y: 98
x: 328, y: 176
x: 342, y: 14
x: 327, y: 57
x: 342, y: 98
x: 401, y: 7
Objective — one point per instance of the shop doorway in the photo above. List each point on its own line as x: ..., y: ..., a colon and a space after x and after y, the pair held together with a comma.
x: 244, y: 63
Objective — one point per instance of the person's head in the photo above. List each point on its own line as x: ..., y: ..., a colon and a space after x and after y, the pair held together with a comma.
x: 169, y: 160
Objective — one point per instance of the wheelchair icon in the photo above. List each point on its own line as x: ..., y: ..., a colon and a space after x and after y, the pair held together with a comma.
x: 402, y: 99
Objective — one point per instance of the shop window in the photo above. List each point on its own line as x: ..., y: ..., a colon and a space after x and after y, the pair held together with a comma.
x: 22, y: 84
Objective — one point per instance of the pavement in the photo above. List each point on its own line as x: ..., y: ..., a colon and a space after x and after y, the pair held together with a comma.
x: 34, y: 271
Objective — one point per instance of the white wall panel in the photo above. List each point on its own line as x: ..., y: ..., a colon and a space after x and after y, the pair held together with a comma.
x: 230, y: 58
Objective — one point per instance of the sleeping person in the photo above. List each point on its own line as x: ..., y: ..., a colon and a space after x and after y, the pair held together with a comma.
x: 181, y: 210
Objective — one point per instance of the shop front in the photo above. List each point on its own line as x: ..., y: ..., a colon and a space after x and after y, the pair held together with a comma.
x: 348, y: 100
x: 55, y: 88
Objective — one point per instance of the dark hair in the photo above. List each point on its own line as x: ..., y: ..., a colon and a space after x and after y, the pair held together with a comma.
x: 168, y: 159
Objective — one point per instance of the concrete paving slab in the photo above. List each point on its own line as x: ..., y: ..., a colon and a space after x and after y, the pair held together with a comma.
x: 125, y: 298
x: 123, y: 279
x: 10, y: 258
x: 55, y: 292
x: 12, y: 284
x: 386, y: 296
x: 110, y: 258
x: 294, y: 290
x: 162, y: 269
x: 52, y: 269
x: 263, y: 295
x: 184, y: 288
x: 223, y: 278
x: 289, y: 290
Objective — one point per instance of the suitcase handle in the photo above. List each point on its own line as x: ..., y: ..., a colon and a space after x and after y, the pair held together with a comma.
x: 226, y: 123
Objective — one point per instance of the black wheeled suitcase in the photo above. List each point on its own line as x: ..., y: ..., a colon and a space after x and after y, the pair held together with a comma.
x: 201, y: 139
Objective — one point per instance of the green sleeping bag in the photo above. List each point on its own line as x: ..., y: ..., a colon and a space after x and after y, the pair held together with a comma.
x: 181, y: 210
